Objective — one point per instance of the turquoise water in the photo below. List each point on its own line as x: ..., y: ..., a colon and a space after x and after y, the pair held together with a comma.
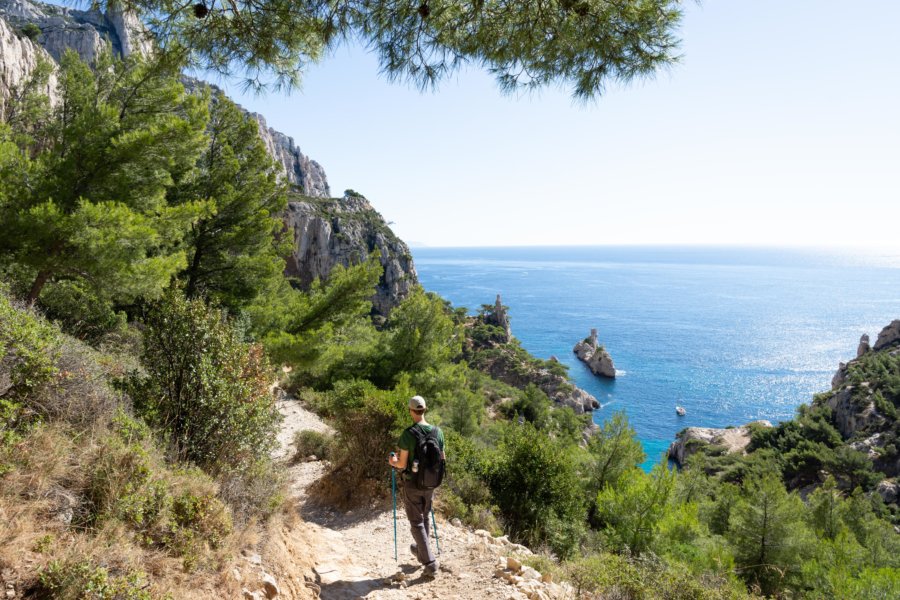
x: 731, y: 334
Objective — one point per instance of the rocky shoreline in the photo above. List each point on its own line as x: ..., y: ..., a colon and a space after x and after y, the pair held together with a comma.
x: 733, y: 439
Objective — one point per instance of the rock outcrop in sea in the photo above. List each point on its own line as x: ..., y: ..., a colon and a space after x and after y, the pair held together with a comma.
x: 595, y: 356
x: 326, y: 231
x: 731, y: 439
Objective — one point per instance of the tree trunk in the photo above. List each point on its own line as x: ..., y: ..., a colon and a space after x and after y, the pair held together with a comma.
x: 37, y: 286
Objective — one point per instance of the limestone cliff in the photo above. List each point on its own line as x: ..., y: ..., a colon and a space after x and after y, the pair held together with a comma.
x: 300, y: 170
x: 332, y: 231
x: 85, y: 31
x: 19, y: 56
x: 864, y: 399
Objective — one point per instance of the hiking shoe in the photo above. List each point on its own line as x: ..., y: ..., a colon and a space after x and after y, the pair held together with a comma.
x: 431, y: 570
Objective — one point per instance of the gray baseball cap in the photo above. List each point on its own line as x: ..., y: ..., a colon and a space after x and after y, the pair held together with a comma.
x: 417, y: 403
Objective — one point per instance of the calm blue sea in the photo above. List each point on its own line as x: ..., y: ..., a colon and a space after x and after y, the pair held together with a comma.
x: 731, y: 334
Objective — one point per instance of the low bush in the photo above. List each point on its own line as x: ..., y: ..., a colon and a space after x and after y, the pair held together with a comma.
x: 533, y: 480
x: 309, y: 442
x: 80, y: 393
x: 83, y: 579
x: 80, y: 312
x: 369, y: 422
x: 29, y: 347
x: 176, y: 511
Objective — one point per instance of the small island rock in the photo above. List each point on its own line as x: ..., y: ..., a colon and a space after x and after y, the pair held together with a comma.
x: 595, y: 356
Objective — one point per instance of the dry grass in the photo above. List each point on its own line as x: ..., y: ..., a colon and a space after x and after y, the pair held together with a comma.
x: 49, y: 463
x: 79, y: 394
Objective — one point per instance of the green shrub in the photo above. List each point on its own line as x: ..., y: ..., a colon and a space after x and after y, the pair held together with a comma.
x: 83, y: 579
x: 31, y: 31
x: 206, y: 391
x: 533, y: 480
x: 310, y: 442
x: 630, y: 512
x: 368, y: 423
x: 80, y: 312
x: 29, y: 347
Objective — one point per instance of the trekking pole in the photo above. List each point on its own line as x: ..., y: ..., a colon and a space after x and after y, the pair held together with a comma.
x: 394, y: 501
x: 434, y: 526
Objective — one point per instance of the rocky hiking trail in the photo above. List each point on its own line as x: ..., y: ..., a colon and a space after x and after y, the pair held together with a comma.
x: 353, y: 551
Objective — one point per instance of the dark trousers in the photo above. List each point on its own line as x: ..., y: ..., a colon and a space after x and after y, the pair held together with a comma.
x: 418, y: 506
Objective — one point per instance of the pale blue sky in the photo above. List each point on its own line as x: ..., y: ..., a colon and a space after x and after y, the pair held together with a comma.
x: 781, y: 126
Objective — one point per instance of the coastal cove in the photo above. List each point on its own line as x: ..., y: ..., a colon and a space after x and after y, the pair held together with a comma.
x: 731, y: 334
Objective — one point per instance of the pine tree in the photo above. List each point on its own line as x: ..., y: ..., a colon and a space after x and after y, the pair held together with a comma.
x: 767, y: 534
x: 85, y: 200
x: 233, y: 253
x: 524, y: 44
x: 614, y: 451
x: 631, y: 510
x: 299, y: 328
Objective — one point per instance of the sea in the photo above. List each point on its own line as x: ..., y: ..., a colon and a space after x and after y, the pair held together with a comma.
x: 731, y: 334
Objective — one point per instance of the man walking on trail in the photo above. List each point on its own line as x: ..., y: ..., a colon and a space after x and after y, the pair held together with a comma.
x: 422, y: 473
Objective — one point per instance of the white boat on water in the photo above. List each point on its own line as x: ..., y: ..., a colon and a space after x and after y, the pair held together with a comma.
x: 680, y: 411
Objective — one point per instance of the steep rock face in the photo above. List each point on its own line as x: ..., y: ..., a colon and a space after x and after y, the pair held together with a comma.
x: 849, y: 414
x: 853, y: 406
x: 345, y: 231
x: 688, y: 441
x: 889, y: 336
x: 595, y: 356
x: 85, y: 31
x: 863, y: 402
x: 299, y: 169
x: 18, y: 58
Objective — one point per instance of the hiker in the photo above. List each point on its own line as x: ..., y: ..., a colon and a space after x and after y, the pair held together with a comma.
x: 421, y: 459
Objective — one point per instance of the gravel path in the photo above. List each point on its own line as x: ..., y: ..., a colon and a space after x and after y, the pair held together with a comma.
x: 355, y: 549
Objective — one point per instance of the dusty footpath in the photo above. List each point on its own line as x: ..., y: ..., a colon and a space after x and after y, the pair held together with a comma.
x: 352, y: 553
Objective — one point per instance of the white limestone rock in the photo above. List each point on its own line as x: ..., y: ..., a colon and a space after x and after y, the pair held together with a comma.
x: 889, y: 336
x: 863, y: 345
x: 595, y: 356
x: 299, y: 169
x: 889, y: 490
x: 734, y: 439
x: 853, y: 414
x: 344, y: 231
x: 18, y: 58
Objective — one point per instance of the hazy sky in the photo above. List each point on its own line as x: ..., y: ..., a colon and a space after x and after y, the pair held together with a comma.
x: 781, y: 126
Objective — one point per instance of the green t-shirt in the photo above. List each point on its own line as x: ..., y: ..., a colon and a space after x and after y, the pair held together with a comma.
x: 408, y: 441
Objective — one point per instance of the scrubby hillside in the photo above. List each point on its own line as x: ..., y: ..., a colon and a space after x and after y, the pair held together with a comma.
x: 94, y: 504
